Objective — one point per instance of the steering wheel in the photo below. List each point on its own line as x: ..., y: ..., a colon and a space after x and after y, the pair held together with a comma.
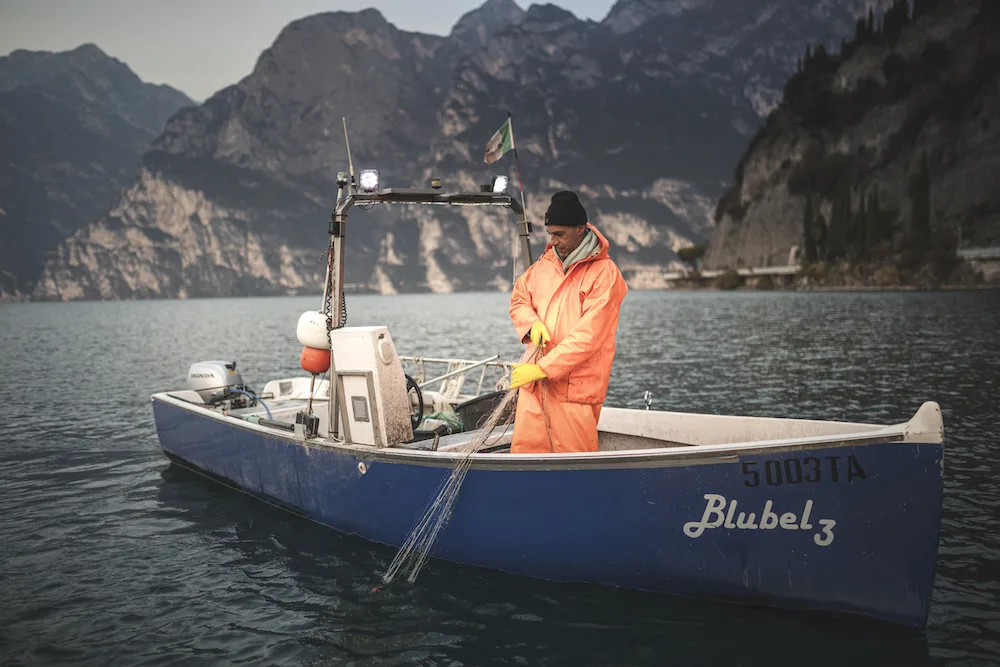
x: 418, y: 416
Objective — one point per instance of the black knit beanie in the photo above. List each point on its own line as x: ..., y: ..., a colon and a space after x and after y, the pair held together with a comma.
x: 565, y: 210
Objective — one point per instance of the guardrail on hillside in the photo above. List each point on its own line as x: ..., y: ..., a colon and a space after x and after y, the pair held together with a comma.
x: 979, y: 253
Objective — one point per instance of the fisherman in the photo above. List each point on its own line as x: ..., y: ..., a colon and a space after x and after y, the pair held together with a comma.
x: 567, y: 303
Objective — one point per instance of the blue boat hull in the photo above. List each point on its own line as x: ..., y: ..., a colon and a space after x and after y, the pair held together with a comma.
x: 848, y: 529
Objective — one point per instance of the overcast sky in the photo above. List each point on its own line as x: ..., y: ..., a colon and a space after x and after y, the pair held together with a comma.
x: 200, y: 46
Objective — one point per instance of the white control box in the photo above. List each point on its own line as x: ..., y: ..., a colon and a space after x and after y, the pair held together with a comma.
x: 374, y: 408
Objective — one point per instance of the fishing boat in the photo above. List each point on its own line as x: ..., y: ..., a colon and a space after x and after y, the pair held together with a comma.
x: 831, y: 517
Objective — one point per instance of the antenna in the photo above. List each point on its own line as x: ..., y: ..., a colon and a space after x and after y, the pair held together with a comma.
x: 350, y: 162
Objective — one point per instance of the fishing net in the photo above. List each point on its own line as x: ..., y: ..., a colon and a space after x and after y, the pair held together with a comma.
x: 414, y: 551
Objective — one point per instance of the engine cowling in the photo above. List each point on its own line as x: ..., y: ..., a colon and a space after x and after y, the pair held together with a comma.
x: 211, y: 379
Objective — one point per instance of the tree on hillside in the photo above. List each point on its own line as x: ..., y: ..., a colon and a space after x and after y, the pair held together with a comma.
x: 691, y: 255
x: 820, y: 56
x: 920, y: 196
x: 809, y: 232
x: 840, y: 222
x: 895, y: 20
x: 822, y: 235
x: 922, y: 7
x: 857, y: 236
x: 878, y: 227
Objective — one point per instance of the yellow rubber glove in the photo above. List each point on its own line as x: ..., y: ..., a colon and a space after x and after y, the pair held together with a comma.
x: 539, y: 334
x: 526, y: 374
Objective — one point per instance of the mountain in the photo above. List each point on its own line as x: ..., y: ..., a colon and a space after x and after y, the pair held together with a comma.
x: 73, y: 127
x: 882, y: 158
x: 476, y: 28
x: 89, y: 75
x: 642, y: 113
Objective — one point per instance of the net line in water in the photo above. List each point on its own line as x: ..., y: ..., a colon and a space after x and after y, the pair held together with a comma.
x: 414, y: 551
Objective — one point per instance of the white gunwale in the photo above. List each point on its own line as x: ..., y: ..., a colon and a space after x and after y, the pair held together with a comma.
x: 922, y: 428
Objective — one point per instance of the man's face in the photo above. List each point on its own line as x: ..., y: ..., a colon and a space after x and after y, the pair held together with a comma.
x: 565, y: 239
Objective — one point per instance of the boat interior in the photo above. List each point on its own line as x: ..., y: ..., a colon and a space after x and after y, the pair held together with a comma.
x: 450, y: 399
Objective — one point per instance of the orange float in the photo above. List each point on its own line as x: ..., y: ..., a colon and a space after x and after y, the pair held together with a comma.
x: 315, y: 361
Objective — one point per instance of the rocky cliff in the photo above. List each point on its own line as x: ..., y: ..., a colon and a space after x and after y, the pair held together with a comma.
x: 641, y: 113
x: 885, y: 155
x: 73, y: 127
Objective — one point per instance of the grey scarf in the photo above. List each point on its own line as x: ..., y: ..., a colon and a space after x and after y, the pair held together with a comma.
x: 587, y: 246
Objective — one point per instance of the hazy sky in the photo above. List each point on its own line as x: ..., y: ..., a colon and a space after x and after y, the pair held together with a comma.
x: 200, y: 46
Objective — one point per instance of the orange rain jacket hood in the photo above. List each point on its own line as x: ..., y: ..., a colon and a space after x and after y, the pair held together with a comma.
x: 580, y: 310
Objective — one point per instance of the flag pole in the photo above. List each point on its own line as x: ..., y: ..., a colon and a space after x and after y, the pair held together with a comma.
x: 525, y: 230
x: 517, y: 163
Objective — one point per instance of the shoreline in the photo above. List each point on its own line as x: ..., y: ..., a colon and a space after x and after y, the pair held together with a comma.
x: 953, y: 287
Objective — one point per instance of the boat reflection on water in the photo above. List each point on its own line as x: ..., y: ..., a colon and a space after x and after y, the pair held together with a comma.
x: 309, y: 590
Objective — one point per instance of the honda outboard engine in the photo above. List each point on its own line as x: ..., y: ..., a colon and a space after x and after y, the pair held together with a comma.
x: 217, y: 380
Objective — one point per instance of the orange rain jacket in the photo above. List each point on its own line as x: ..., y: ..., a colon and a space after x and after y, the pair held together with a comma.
x: 580, y: 310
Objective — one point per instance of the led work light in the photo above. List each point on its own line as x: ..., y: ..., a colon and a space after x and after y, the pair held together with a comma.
x: 369, y: 180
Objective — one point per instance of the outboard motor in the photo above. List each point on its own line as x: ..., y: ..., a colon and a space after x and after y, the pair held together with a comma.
x: 216, y: 381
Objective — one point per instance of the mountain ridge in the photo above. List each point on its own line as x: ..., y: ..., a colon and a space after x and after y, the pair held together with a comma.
x: 642, y: 124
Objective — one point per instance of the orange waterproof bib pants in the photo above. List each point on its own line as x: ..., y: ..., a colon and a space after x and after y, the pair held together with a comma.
x: 559, y: 427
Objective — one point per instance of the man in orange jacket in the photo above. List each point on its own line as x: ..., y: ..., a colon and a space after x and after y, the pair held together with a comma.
x: 567, y: 302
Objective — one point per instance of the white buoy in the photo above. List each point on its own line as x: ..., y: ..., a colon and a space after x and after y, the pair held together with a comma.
x: 311, y: 330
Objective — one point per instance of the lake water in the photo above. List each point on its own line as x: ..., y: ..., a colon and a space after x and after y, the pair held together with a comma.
x: 110, y: 556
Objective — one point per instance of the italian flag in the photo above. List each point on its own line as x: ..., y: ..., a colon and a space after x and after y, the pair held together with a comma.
x: 501, y: 142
